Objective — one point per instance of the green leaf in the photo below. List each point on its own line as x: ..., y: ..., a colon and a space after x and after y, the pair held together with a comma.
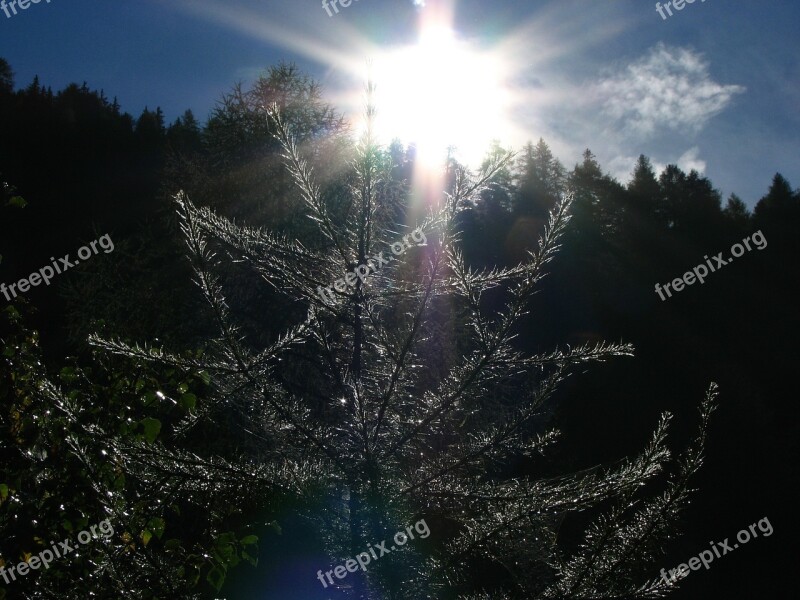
x: 188, y: 401
x: 249, y: 539
x: 146, y: 537
x: 216, y: 577
x: 157, y: 526
x: 172, y: 544
x: 224, y: 554
x: 152, y: 427
x: 253, y: 560
x: 3, y: 492
x: 225, y: 539
x: 204, y: 377
x: 13, y: 313
x: 17, y: 202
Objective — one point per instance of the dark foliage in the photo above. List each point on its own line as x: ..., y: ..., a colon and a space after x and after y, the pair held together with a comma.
x: 84, y: 169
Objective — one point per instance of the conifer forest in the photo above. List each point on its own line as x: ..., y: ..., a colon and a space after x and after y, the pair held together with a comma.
x: 408, y: 299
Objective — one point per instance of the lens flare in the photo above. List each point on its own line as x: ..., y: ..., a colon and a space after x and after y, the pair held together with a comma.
x: 441, y: 93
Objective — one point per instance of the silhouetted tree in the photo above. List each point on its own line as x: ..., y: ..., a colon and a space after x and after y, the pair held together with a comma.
x: 541, y: 179
x: 6, y: 77
x: 737, y: 214
x: 779, y: 203
x: 184, y: 136
x: 394, y: 432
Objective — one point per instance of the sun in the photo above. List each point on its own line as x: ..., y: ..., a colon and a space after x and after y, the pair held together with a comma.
x: 441, y: 93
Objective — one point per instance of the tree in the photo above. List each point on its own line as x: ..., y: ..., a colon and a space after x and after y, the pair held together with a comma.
x: 779, y: 203
x: 239, y: 129
x: 689, y: 205
x: 498, y: 193
x: 737, y: 214
x: 63, y: 437
x: 34, y: 89
x: 241, y: 159
x: 596, y: 197
x: 673, y: 189
x: 356, y: 401
x: 490, y: 216
x: 184, y: 135
x: 644, y: 191
x: 540, y: 180
x: 6, y: 77
x: 778, y: 213
x: 700, y: 213
x: 150, y: 128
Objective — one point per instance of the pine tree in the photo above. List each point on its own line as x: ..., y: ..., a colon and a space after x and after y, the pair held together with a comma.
x: 356, y: 400
x: 596, y: 196
x: 6, y: 77
x: 779, y: 202
x: 644, y: 191
x: 541, y: 180
x: 736, y: 209
x: 184, y: 135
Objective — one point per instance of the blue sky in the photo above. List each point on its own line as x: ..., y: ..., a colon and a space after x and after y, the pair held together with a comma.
x: 714, y: 87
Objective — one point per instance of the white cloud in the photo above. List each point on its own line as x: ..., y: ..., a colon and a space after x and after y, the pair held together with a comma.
x: 622, y: 166
x: 669, y: 88
x: 690, y: 160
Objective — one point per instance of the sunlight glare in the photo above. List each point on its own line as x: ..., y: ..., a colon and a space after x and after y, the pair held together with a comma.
x: 441, y: 93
